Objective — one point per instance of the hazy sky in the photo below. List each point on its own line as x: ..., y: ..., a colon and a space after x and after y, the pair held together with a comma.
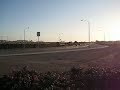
x: 54, y: 17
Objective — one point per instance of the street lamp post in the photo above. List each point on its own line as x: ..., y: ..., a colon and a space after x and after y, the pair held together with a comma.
x: 24, y: 35
x: 88, y: 30
x: 104, y: 36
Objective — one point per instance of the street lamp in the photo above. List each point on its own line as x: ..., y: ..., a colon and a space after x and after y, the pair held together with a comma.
x: 24, y: 35
x: 88, y: 29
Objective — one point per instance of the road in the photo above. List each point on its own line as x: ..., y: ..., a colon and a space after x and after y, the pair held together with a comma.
x: 47, y: 51
x: 62, y: 59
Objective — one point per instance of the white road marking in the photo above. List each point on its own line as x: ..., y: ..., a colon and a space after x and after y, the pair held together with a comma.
x: 47, y: 52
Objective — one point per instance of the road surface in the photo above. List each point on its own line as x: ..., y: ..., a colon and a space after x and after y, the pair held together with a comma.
x: 63, y: 60
x: 44, y: 51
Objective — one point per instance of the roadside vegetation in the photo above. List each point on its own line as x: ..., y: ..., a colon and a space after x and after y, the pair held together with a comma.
x: 30, y: 44
x: 17, y: 45
x: 94, y: 78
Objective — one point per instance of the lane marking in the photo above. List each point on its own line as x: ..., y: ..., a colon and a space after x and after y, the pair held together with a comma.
x: 48, y: 52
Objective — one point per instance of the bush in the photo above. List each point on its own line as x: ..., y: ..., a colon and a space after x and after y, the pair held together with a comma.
x: 94, y: 78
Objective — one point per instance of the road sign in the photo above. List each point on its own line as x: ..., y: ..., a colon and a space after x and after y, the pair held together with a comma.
x: 38, y: 33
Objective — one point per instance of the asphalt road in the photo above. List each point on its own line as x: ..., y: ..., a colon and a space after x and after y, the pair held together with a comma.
x: 31, y: 51
x: 57, y: 50
x: 60, y: 61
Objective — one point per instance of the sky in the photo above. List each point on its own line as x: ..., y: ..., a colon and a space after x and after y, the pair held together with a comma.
x: 56, y: 19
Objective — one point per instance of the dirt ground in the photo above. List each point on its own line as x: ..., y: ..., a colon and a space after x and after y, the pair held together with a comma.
x: 62, y: 61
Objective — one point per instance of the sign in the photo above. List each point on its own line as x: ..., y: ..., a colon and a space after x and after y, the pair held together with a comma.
x: 38, y: 33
